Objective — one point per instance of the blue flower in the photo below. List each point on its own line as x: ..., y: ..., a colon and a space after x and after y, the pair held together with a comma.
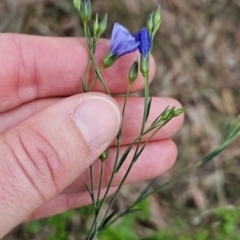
x: 143, y: 36
x: 122, y: 42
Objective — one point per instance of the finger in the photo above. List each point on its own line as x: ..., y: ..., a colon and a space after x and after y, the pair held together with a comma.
x: 37, y: 67
x: 64, y: 202
x: 133, y: 118
x: 157, y: 158
x: 13, y: 117
x: 151, y: 166
x: 131, y: 125
x: 41, y: 156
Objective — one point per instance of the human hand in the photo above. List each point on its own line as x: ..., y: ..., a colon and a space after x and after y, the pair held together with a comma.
x: 48, y: 140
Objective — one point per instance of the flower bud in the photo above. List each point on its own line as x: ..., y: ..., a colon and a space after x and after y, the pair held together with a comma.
x: 95, y: 27
x: 86, y: 11
x: 168, y: 114
x: 102, y: 26
x: 157, y: 20
x: 133, y: 73
x: 143, y: 36
x: 150, y: 23
x: 179, y: 111
x: 171, y: 113
x: 109, y: 60
x: 104, y: 155
x: 77, y: 4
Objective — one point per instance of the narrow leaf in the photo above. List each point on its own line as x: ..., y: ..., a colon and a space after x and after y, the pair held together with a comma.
x: 92, y: 235
x: 123, y: 158
x: 97, y: 74
x: 89, y: 38
x: 135, y: 158
x: 144, y: 192
x: 159, y: 116
x: 148, y: 107
x: 130, y: 211
x: 84, y: 87
x: 90, y: 192
x: 107, y: 219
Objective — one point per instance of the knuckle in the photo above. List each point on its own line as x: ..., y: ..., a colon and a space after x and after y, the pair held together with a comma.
x: 22, y: 72
x: 38, y: 160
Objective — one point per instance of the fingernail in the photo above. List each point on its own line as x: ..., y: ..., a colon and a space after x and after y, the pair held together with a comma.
x: 98, y: 120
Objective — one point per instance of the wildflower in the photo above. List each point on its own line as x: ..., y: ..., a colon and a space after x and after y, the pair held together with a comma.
x: 145, y: 40
x: 122, y: 42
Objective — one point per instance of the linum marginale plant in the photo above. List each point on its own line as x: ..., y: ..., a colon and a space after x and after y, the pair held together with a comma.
x: 123, y: 42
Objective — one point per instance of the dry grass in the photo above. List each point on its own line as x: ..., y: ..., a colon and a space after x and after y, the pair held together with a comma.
x: 197, y: 51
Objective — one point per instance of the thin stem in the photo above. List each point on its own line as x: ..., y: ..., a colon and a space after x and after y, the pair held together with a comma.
x: 92, y: 83
x: 125, y: 100
x: 100, y: 181
x: 145, y: 110
x: 94, y: 80
x: 98, y: 73
x: 146, y: 96
x: 92, y: 58
x: 125, y: 176
x: 116, y: 193
x: 92, y: 185
x: 87, y: 74
x: 114, y: 167
x: 128, y: 171
x: 93, y: 197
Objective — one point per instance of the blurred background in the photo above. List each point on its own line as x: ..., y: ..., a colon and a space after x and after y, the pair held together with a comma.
x: 197, y: 51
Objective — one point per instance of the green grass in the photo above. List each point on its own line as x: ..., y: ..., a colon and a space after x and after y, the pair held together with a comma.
x: 220, y: 224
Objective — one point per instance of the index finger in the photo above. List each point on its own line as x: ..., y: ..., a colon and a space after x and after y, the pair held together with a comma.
x: 35, y: 67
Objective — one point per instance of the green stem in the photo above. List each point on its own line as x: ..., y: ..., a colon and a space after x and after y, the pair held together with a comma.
x: 92, y: 58
x: 100, y: 181
x: 145, y: 110
x: 99, y: 75
x: 116, y: 193
x: 114, y: 167
x: 94, y: 80
x: 146, y: 97
x: 94, y: 201
x: 87, y: 73
x: 92, y: 185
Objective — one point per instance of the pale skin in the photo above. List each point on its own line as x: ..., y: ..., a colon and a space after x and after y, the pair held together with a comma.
x: 44, y: 158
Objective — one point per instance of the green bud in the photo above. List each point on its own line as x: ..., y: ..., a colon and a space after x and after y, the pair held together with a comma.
x: 86, y: 11
x: 168, y: 114
x: 157, y: 20
x: 77, y: 4
x: 133, y: 73
x: 179, y: 111
x: 104, y: 155
x: 95, y: 27
x: 144, y: 65
x: 102, y: 26
x: 171, y: 113
x: 150, y: 23
x: 109, y: 60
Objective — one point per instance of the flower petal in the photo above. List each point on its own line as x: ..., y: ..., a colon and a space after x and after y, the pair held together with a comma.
x: 145, y: 41
x: 119, y: 34
x: 122, y: 41
x: 126, y: 47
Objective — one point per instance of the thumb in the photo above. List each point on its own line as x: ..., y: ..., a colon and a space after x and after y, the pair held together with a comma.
x: 45, y: 153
